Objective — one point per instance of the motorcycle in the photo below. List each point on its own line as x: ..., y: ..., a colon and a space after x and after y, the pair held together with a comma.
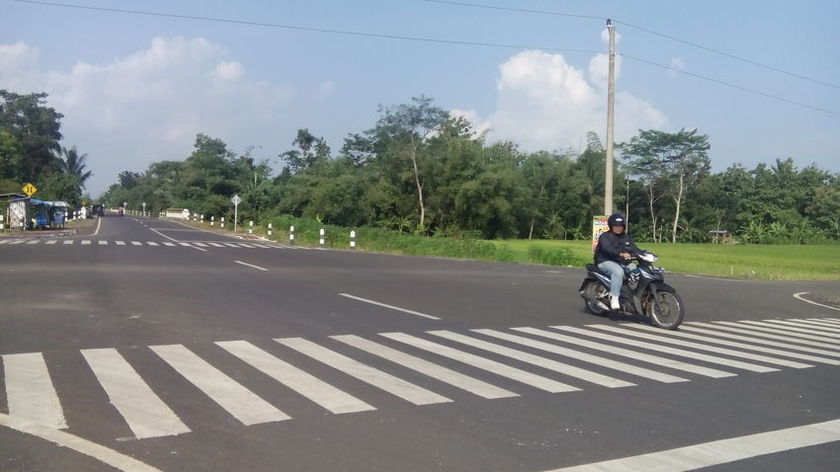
x: 643, y: 292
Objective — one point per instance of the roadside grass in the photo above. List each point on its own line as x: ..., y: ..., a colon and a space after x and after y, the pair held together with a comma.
x: 740, y: 261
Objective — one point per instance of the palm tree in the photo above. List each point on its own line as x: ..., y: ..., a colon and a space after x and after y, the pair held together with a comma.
x: 70, y: 162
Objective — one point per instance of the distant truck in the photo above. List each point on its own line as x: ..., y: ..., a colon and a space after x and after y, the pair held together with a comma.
x: 97, y: 210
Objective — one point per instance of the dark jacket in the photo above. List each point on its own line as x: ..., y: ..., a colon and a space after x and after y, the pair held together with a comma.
x: 611, y: 244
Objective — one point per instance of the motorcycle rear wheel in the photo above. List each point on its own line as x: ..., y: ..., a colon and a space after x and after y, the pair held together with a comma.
x: 666, y: 311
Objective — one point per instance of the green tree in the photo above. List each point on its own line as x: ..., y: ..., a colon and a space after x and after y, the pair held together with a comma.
x: 675, y: 159
x: 30, y: 136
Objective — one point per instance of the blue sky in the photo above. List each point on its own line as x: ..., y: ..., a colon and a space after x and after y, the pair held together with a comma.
x: 136, y: 89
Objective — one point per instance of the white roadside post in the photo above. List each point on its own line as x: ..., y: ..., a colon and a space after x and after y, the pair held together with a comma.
x: 251, y: 227
x: 321, y: 241
x: 353, y: 239
x: 269, y: 230
x: 236, y: 201
x: 144, y: 208
x: 202, y: 218
x: 212, y: 221
x: 292, y: 235
x: 223, y: 222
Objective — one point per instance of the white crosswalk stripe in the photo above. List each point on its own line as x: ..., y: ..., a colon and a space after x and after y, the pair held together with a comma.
x: 151, y: 243
x: 764, y: 328
x: 305, y: 384
x: 805, y: 328
x: 105, y: 242
x: 146, y: 414
x: 702, y: 347
x: 120, y: 243
x: 566, y: 369
x: 387, y: 382
x: 746, y: 346
x: 497, y: 368
x: 51, y: 241
x: 669, y: 350
x: 17, y: 241
x: 582, y: 356
x: 464, y: 382
x: 69, y: 241
x: 819, y: 324
x: 34, y: 241
x: 31, y: 395
x: 30, y: 392
x: 635, y: 355
x: 790, y: 342
x: 85, y: 242
x: 240, y: 402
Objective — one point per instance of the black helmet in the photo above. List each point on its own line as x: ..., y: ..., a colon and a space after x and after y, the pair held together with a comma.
x: 616, y: 219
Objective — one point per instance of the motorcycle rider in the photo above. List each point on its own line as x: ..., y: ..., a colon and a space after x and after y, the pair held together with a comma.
x: 614, y: 249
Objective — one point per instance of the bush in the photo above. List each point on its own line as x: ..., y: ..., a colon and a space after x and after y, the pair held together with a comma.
x: 553, y: 256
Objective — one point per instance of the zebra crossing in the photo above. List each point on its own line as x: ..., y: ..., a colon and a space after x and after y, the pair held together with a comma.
x: 158, y: 244
x: 488, y: 364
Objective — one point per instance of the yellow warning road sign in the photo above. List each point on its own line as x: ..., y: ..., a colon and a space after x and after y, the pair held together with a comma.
x: 29, y: 189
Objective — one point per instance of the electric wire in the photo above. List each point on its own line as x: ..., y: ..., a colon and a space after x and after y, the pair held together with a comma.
x: 645, y: 30
x: 307, y: 28
x: 427, y: 39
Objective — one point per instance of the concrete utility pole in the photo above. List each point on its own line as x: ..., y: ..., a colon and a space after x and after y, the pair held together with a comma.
x: 608, y: 178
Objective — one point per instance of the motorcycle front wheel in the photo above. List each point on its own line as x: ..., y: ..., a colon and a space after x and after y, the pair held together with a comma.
x: 666, y: 310
x: 594, y: 291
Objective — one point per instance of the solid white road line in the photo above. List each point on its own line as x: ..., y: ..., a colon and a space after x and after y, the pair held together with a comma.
x: 165, y: 236
x: 387, y: 382
x: 720, y: 452
x: 83, y: 446
x: 30, y: 392
x: 582, y: 356
x: 251, y: 266
x: 320, y: 392
x: 807, y: 328
x: 667, y: 339
x: 669, y: 350
x: 768, y: 328
x: 798, y: 296
x: 748, y: 347
x: 759, y: 336
x: 565, y: 369
x: 146, y: 414
x: 98, y: 224
x: 240, y: 402
x: 392, y: 307
x: 457, y: 379
x: 534, y: 380
x: 635, y: 355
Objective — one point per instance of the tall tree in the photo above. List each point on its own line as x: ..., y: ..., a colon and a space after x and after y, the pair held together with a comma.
x: 675, y: 158
x: 407, y: 128
x: 31, y: 134
x: 72, y: 163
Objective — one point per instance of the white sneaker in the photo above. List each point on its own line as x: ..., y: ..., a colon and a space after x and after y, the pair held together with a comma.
x: 614, y: 303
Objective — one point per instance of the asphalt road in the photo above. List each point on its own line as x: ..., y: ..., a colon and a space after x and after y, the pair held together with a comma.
x: 159, y: 347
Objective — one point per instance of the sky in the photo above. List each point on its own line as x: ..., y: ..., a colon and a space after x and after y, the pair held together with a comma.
x: 135, y: 89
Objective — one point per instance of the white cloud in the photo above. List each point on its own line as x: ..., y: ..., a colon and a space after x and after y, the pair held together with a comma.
x: 148, y: 105
x: 545, y: 103
x: 676, y: 63
x: 227, y: 71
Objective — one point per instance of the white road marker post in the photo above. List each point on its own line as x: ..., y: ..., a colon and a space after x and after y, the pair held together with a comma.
x: 353, y: 239
x: 202, y: 218
x: 321, y: 241
x: 223, y: 222
x: 269, y: 230
x: 251, y: 227
x: 212, y: 221
x: 291, y: 235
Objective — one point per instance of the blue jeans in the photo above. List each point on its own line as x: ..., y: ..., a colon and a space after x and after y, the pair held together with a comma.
x: 616, y: 273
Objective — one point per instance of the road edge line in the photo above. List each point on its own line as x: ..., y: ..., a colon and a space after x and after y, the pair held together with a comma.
x: 798, y: 297
x: 91, y: 449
